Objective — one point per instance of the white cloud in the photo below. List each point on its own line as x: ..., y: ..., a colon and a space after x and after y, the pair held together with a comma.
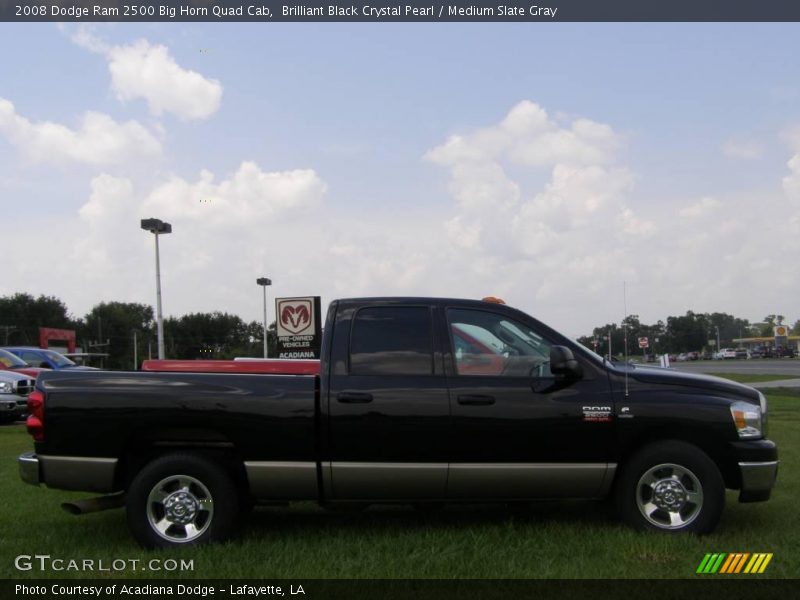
x: 791, y: 183
x: 556, y: 241
x: 100, y: 140
x: 528, y: 136
x: 703, y: 208
x: 144, y: 70
x: 252, y: 222
x: 748, y: 150
x: 249, y: 196
x: 83, y: 35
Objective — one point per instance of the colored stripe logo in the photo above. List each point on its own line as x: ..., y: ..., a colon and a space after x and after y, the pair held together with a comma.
x: 734, y: 563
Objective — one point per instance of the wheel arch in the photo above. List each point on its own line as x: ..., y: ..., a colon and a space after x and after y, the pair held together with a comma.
x: 718, y: 450
x: 207, y: 443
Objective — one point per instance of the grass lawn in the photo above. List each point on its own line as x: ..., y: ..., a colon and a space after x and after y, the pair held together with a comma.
x: 574, y: 539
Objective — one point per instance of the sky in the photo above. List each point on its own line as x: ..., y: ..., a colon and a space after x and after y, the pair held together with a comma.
x: 552, y: 164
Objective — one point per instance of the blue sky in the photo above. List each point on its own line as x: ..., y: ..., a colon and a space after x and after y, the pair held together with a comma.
x: 678, y: 183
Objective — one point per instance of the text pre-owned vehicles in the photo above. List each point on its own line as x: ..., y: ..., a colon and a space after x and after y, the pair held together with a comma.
x: 14, y: 391
x: 415, y: 400
x: 42, y: 357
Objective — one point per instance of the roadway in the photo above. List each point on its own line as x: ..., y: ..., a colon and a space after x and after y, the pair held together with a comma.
x: 784, y: 366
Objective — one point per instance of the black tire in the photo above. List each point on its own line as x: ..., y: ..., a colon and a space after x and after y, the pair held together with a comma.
x: 671, y: 486
x: 179, y: 500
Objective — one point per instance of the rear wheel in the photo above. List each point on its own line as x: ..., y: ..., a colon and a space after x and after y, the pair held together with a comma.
x: 671, y: 486
x: 181, y: 499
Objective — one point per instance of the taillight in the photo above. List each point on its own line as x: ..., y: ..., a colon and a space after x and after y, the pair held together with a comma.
x: 35, y: 421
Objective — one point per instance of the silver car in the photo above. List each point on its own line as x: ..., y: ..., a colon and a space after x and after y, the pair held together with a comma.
x: 14, y: 391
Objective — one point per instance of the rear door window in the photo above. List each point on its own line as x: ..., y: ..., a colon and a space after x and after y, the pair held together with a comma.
x: 392, y: 340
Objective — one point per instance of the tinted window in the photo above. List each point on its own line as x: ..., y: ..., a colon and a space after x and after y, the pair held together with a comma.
x: 391, y: 341
x: 486, y: 343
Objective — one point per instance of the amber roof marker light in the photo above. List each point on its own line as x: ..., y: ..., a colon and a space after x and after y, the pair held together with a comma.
x: 493, y: 300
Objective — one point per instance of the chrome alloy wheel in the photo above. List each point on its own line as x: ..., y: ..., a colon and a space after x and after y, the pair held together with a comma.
x: 669, y: 496
x: 180, y: 508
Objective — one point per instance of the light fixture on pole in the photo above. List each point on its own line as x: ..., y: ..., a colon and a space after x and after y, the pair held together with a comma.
x: 156, y: 227
x: 264, y: 282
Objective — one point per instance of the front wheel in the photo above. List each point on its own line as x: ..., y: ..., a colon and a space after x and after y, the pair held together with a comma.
x: 181, y: 499
x: 671, y: 486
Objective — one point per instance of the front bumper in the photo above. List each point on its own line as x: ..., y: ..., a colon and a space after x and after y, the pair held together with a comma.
x: 758, y: 479
x: 758, y: 467
x: 12, y: 406
x: 29, y: 468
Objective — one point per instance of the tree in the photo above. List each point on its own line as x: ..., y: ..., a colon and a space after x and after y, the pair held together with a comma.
x: 215, y: 335
x: 687, y: 333
x: 115, y: 323
x: 21, y: 315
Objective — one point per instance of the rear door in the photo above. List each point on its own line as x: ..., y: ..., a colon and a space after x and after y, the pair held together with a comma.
x: 388, y: 405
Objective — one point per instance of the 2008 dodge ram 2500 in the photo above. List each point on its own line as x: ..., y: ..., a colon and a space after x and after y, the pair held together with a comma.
x: 415, y: 400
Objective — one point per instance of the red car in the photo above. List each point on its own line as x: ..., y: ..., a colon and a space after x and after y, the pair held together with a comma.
x: 12, y: 362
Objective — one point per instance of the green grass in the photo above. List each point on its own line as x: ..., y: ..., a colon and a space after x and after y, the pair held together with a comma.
x: 543, y: 540
x: 752, y: 377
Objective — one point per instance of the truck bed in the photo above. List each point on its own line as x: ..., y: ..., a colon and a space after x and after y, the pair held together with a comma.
x: 111, y: 414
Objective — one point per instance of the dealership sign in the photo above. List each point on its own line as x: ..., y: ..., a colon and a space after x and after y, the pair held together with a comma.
x: 299, y: 327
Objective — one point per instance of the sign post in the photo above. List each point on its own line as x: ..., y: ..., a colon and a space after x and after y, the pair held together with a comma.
x: 644, y: 344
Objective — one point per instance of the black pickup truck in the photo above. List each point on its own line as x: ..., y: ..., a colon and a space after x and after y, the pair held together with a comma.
x: 415, y: 400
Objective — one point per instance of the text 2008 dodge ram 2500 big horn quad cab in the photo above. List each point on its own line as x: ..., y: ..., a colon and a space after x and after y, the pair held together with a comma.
x: 415, y: 400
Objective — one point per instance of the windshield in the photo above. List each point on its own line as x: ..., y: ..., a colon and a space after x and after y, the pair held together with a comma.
x: 58, y: 359
x: 11, y: 361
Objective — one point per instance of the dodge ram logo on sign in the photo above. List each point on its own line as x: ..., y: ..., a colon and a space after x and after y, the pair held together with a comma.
x: 295, y: 316
x: 298, y: 326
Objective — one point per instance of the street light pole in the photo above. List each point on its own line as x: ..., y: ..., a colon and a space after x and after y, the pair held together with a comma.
x: 264, y: 282
x: 157, y: 226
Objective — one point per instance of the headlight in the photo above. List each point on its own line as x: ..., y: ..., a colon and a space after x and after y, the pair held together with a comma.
x: 6, y: 388
x: 747, y: 419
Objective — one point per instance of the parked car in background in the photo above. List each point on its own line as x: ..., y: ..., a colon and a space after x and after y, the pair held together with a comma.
x: 757, y: 352
x: 14, y: 391
x: 785, y: 352
x: 693, y: 355
x: 727, y: 353
x: 42, y: 357
x: 12, y: 362
x: 742, y: 353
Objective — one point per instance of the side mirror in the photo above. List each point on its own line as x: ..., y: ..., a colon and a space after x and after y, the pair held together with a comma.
x: 562, y: 362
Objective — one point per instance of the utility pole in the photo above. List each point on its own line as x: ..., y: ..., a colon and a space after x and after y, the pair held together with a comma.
x: 7, y: 329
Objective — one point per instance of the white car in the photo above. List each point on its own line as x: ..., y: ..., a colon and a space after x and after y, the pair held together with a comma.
x: 726, y: 353
x: 14, y: 390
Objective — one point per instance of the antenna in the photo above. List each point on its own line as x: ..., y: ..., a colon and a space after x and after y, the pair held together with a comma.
x: 625, y: 331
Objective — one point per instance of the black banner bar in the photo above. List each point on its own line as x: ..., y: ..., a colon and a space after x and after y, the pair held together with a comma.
x: 731, y: 588
x: 270, y: 11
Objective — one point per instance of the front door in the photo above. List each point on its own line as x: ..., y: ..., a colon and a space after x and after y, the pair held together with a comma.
x: 518, y: 430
